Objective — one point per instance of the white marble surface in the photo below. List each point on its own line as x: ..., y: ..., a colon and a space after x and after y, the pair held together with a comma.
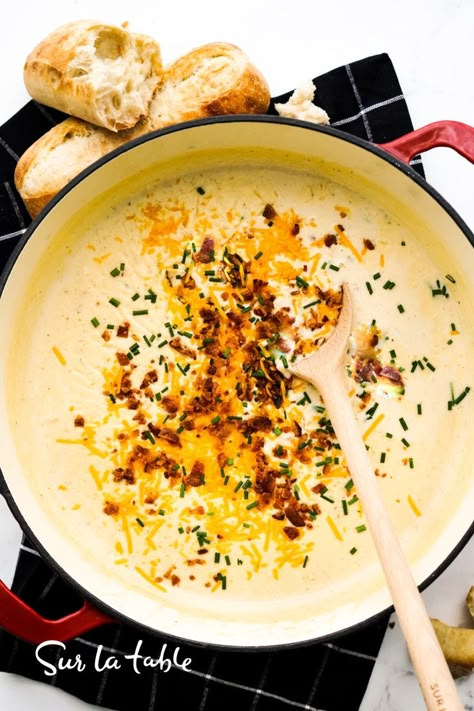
x: 430, y: 43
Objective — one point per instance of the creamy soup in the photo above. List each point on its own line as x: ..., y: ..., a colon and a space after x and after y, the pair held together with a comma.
x: 169, y: 435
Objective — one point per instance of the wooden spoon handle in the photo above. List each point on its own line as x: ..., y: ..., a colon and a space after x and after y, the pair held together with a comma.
x: 428, y: 661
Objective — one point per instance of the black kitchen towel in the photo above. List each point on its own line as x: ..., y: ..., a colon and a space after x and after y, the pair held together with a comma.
x: 363, y: 98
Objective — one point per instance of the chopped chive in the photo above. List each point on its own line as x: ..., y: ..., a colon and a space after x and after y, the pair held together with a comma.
x: 252, y: 505
x: 411, y: 463
x: 403, y: 424
x: 360, y: 529
x: 227, y: 560
x: 140, y: 312
x: 334, y: 267
x: 115, y: 272
x: 393, y: 354
x: 200, y: 190
x: 215, y: 420
x: 301, y: 282
x: 258, y: 255
x: 353, y: 550
x: 312, y: 303
x: 354, y: 500
x: 305, y: 562
x: 450, y: 278
x: 140, y: 522
x: 369, y: 287
x: 349, y: 485
x: 180, y: 529
x: 115, y: 302
x: 277, y: 431
x: 382, y: 457
x: 404, y: 441
x: 389, y: 285
x: 419, y: 408
x: 400, y: 308
x: 344, y: 507
x: 182, y: 489
x: 95, y: 322
x: 376, y: 276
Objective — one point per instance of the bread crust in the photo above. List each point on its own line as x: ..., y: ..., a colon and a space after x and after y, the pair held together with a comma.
x: 101, y: 73
x: 211, y: 80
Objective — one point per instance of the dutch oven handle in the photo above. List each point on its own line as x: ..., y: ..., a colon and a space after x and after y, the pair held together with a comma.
x: 22, y: 621
x: 451, y: 134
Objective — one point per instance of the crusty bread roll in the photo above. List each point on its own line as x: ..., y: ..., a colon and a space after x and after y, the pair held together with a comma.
x: 101, y: 73
x: 210, y: 80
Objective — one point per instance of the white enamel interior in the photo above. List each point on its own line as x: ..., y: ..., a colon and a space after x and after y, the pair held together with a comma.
x: 351, y: 164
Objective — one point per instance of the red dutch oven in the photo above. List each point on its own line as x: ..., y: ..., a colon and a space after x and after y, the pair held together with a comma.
x: 386, y: 166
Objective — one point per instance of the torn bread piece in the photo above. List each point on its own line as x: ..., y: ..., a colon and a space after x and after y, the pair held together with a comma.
x: 98, y: 72
x: 210, y: 80
x: 300, y: 105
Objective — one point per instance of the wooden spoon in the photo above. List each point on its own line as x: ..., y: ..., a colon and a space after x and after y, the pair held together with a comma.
x: 325, y: 369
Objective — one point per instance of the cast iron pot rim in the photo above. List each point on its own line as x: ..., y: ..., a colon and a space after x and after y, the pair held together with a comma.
x: 239, y: 118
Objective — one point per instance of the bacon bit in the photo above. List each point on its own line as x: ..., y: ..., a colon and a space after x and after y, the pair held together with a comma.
x: 133, y: 403
x: 196, y: 475
x: 111, y: 509
x: 209, y: 315
x: 377, y: 472
x: 365, y: 369
x: 269, y: 212
x: 106, y: 335
x: 195, y: 561
x: 151, y: 498
x: 122, y: 330
x: 79, y: 421
x: 179, y: 346
x: 150, y: 377
x: 295, y: 230
x: 368, y: 244
x: 205, y: 253
x: 291, y: 532
x: 330, y: 239
x: 166, y: 434
x: 188, y: 282
x: 175, y: 580
x: 203, y: 551
x: 259, y: 423
x: 122, y: 358
x: 170, y: 404
x: 391, y: 374
x: 294, y: 516
x: 128, y: 474
x: 278, y: 515
x: 318, y: 488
